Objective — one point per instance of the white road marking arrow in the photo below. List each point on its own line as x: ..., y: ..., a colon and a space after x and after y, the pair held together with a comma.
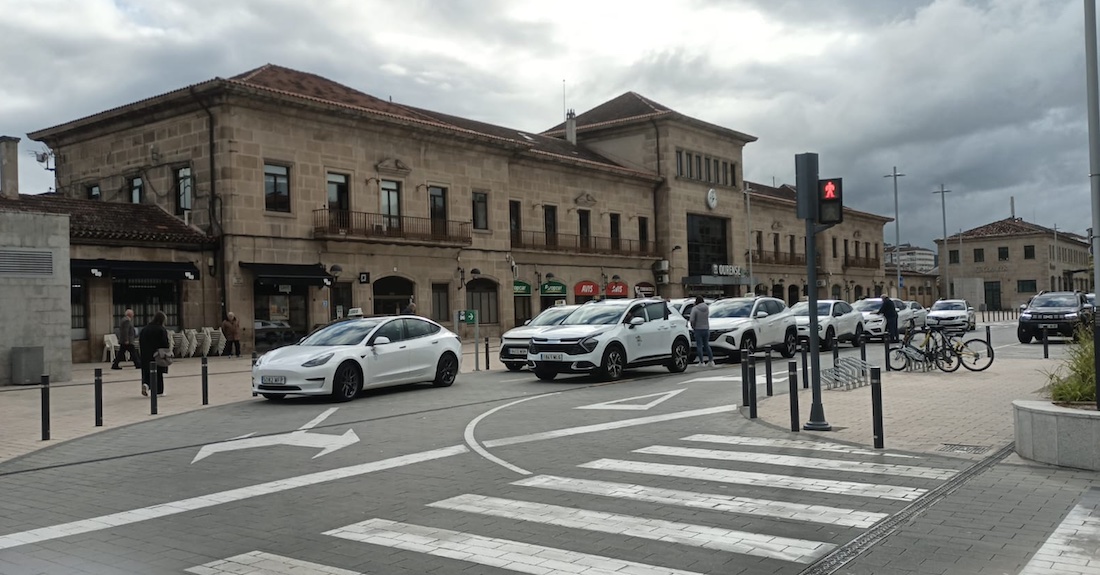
x: 622, y: 403
x: 298, y: 438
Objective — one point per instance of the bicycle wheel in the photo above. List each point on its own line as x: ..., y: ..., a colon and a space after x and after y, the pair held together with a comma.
x: 947, y: 360
x: 975, y: 354
x: 897, y: 359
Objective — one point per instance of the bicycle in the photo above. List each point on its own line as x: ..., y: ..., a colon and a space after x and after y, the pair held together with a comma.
x: 927, y: 347
x: 974, y: 354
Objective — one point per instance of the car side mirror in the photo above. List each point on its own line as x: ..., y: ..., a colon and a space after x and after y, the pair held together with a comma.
x: 526, y: 321
x: 381, y: 340
x: 636, y: 321
x: 761, y: 314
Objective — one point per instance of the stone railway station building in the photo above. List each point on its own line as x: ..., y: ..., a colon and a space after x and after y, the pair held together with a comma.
x: 286, y: 197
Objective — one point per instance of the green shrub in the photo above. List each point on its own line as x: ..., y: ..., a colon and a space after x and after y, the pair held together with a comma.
x: 1075, y: 379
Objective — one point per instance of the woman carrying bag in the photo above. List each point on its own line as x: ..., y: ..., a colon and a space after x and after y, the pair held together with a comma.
x: 155, y: 347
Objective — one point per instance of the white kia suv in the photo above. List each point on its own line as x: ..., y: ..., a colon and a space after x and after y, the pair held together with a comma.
x: 606, y: 337
x: 752, y: 323
x: 513, y: 344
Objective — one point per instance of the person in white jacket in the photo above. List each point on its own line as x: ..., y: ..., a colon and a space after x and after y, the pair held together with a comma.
x: 700, y: 326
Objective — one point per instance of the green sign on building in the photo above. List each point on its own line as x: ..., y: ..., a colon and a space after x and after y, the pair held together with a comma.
x: 521, y: 288
x: 552, y: 288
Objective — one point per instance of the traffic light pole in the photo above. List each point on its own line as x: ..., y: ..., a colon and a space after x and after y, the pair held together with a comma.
x: 806, y: 176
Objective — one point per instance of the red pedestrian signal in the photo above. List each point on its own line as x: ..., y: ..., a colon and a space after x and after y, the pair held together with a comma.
x: 830, y: 201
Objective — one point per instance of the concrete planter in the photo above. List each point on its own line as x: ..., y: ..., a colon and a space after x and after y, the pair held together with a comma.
x: 1058, y: 435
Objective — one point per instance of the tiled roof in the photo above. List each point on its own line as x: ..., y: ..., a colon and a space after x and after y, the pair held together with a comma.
x: 1014, y: 227
x: 632, y: 107
x: 99, y: 220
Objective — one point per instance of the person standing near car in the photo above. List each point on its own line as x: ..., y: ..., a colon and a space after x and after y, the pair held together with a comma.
x: 699, y: 319
x: 890, y: 312
x: 231, y: 328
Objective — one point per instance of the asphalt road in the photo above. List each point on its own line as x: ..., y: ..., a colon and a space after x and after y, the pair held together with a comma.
x: 500, y: 473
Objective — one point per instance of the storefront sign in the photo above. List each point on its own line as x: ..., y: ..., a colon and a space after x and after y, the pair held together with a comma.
x: 644, y: 289
x: 586, y: 288
x: 725, y: 270
x: 616, y: 289
x: 521, y: 288
x: 552, y: 288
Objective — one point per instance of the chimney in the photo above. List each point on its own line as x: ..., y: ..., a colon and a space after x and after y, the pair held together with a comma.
x: 9, y: 167
x: 1012, y: 205
x: 571, y: 127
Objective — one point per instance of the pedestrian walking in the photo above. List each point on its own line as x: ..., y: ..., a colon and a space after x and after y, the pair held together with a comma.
x: 890, y: 312
x: 699, y: 319
x: 409, y: 309
x: 126, y: 334
x: 153, y: 339
x: 231, y: 328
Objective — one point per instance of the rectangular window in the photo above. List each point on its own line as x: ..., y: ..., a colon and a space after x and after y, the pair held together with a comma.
x: 699, y: 167
x: 338, y: 197
x: 725, y: 173
x: 679, y: 162
x: 437, y: 210
x: 688, y: 173
x: 78, y: 299
x: 707, y: 243
x: 616, y: 231
x: 94, y: 193
x: 834, y: 247
x: 643, y: 232
x: 481, y: 211
x: 707, y: 169
x: 953, y: 257
x: 584, y: 224
x: 1026, y: 286
x: 716, y: 173
x: 441, y: 303
x: 1029, y: 252
x: 515, y: 221
x: 1002, y: 254
x: 979, y: 255
x: 137, y: 190
x: 733, y: 175
x: 550, y: 224
x: 276, y: 188
x: 391, y: 203
x: 183, y: 190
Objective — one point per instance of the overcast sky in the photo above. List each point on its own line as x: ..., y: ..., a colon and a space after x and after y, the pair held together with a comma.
x: 985, y: 97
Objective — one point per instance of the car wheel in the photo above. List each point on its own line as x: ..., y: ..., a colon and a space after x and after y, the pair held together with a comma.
x: 857, y: 337
x: 274, y: 396
x: 446, y: 370
x: 790, y: 344
x: 679, y: 361
x: 545, y: 374
x: 971, y: 325
x: 514, y: 366
x: 1023, y: 335
x: 748, y: 343
x: 347, y: 382
x: 613, y: 363
x: 827, y: 344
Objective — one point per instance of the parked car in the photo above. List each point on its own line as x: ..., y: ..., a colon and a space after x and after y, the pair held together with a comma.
x: 952, y: 315
x: 1060, y: 313
x: 752, y: 323
x: 606, y: 337
x: 918, y: 314
x: 684, y: 305
x: 836, y: 321
x: 514, y: 342
x: 874, y: 324
x: 346, y: 357
x: 274, y: 332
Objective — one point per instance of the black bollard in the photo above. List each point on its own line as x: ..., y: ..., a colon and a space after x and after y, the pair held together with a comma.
x: 744, y: 376
x: 254, y: 394
x: 768, y: 371
x: 805, y: 372
x: 152, y: 388
x: 1046, y: 342
x: 205, y: 382
x: 987, y: 338
x: 45, y: 408
x: 486, y: 354
x: 886, y: 350
x: 876, y: 405
x: 792, y: 380
x: 862, y: 348
x: 98, y: 386
x: 836, y: 354
x: 752, y: 388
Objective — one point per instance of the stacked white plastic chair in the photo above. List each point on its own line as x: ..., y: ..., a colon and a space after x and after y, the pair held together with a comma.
x: 192, y: 343
x: 202, y: 342
x: 110, y: 347
x: 178, y: 341
x: 217, y: 340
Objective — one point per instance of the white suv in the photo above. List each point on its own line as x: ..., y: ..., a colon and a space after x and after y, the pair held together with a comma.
x: 606, y: 337
x: 752, y: 323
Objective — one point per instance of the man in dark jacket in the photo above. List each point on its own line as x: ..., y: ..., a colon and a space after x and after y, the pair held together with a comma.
x: 126, y: 340
x: 890, y: 312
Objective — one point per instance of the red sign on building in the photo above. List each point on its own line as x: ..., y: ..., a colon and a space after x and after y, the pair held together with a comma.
x: 617, y: 289
x: 586, y: 288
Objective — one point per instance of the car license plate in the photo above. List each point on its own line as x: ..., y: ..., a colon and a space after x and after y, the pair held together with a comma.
x: 553, y: 356
x: 1048, y: 326
x: 517, y: 351
x: 273, y: 379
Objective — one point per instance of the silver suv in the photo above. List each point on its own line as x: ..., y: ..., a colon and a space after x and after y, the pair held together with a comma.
x: 752, y: 323
x: 606, y: 337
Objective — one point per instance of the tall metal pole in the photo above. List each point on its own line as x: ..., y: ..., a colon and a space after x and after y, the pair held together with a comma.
x: 748, y: 240
x: 897, y: 231
x: 943, y: 205
x: 806, y: 177
x: 1094, y: 163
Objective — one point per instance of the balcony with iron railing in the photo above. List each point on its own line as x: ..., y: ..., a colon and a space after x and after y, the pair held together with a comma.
x: 861, y: 262
x: 345, y: 224
x: 573, y: 243
x: 778, y: 258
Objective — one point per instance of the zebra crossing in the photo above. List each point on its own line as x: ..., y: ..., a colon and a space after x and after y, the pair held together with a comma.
x: 737, y: 499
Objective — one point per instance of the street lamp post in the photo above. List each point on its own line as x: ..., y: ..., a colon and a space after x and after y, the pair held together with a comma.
x: 943, y: 206
x: 897, y: 230
x: 748, y: 238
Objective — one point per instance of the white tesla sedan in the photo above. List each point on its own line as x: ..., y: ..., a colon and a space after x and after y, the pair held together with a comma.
x: 346, y: 357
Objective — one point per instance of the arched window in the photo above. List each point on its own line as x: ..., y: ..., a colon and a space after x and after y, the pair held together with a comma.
x: 836, y: 291
x: 859, y: 292
x: 481, y: 295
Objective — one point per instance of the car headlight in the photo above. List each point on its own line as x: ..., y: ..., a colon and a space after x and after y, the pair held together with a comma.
x: 722, y: 331
x: 1025, y: 315
x: 589, y: 343
x: 319, y: 360
x: 1071, y: 315
x: 260, y: 360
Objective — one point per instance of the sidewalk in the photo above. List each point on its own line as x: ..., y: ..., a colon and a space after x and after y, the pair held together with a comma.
x: 72, y: 404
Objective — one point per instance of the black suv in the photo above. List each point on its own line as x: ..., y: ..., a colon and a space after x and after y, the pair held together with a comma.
x: 1061, y: 313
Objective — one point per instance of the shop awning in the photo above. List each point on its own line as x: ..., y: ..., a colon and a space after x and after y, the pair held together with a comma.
x: 134, y: 269
x: 714, y: 280
x: 290, y: 274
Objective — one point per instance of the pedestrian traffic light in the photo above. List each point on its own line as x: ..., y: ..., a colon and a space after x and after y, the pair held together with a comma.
x: 830, y: 201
